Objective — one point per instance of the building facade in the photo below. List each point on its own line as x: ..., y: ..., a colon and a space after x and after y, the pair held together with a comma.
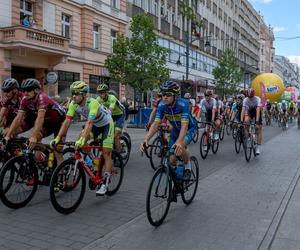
x: 72, y: 38
x: 230, y: 24
x: 267, y: 51
x: 288, y: 71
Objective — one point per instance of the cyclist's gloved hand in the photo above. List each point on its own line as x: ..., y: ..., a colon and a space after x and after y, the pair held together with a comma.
x: 54, y: 142
x: 80, y: 142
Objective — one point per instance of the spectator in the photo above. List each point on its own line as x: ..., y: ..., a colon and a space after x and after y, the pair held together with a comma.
x: 32, y: 23
x: 25, y: 21
x: 126, y: 106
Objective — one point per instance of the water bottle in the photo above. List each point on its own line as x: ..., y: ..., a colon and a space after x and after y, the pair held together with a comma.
x: 89, y: 162
x: 179, y: 171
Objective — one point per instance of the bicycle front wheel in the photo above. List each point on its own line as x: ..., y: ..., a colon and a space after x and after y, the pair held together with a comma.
x: 158, y: 197
x: 222, y: 132
x: 238, y: 141
x: 248, y: 147
x: 215, y: 146
x: 204, y: 145
x: 18, y: 182
x: 125, y: 149
x: 67, y: 186
x: 156, y: 153
x: 116, y: 176
x: 190, y: 183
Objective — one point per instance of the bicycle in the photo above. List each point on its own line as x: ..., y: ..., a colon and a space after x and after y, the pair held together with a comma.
x: 69, y: 178
x: 156, y: 152
x: 239, y: 138
x: 268, y: 118
x: 250, y: 140
x: 208, y: 140
x: 21, y: 175
x: 166, y: 184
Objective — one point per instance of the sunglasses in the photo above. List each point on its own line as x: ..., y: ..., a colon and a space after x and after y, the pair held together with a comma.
x: 28, y: 90
x: 76, y: 93
x: 7, y: 91
x: 168, y: 94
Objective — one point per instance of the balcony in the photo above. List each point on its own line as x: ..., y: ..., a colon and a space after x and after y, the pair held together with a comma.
x: 18, y: 36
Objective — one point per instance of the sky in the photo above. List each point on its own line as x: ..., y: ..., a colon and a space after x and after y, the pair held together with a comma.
x: 284, y: 17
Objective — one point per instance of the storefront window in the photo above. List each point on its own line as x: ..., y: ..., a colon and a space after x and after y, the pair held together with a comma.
x: 65, y: 79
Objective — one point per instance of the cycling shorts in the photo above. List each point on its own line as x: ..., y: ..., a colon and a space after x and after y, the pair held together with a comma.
x: 119, y: 121
x: 188, y: 137
x: 106, y: 133
x: 252, y: 114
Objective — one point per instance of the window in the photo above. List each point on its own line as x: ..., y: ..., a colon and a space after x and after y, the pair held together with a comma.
x: 114, y: 4
x: 96, y: 36
x: 113, y: 35
x: 65, y: 25
x: 25, y: 9
x: 65, y: 79
x: 96, y: 80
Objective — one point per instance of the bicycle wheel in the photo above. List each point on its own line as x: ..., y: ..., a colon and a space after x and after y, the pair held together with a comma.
x: 67, y: 186
x: 156, y: 153
x: 68, y: 152
x: 190, y: 184
x: 125, y: 149
x: 238, y: 142
x: 248, y: 147
x: 228, y: 129
x: 128, y: 138
x: 158, y: 197
x: 18, y: 182
x: 222, y: 133
x: 204, y: 145
x: 116, y: 176
x: 196, y: 135
x: 215, y: 146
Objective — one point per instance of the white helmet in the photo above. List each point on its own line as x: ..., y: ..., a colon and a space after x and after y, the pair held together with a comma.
x: 283, y: 101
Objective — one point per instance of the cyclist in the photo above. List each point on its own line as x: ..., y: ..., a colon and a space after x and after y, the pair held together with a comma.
x: 283, y: 111
x: 175, y: 110
x: 46, y: 114
x: 117, y: 110
x: 99, y: 122
x: 236, y: 109
x: 292, y: 109
x: 155, y: 104
x: 268, y: 110
x: 252, y: 111
x: 209, y: 104
x: 10, y: 104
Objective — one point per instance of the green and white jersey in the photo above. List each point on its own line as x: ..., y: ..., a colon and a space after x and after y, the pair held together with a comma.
x: 113, y: 104
x: 91, y: 110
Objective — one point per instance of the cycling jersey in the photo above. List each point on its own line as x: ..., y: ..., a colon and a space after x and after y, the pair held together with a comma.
x: 298, y: 104
x: 283, y: 106
x: 251, y: 103
x: 176, y: 114
x: 113, y: 104
x: 42, y: 102
x: 237, y: 109
x: 268, y: 106
x: 91, y: 110
x: 208, y: 105
x: 11, y: 105
x: 291, y: 105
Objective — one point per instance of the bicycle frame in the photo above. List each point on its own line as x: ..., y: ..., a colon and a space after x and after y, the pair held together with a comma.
x: 96, y: 178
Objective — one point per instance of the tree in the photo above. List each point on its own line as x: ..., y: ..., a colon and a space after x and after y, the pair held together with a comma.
x: 138, y: 61
x: 228, y: 74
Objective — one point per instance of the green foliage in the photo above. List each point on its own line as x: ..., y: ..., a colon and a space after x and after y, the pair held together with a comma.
x: 188, y: 12
x: 139, y: 61
x: 228, y: 74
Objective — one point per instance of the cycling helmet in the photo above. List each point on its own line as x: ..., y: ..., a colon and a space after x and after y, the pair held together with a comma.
x: 9, y: 84
x: 250, y: 92
x: 230, y: 99
x: 30, y: 84
x: 79, y: 86
x: 208, y: 92
x: 217, y: 97
x: 283, y: 101
x: 102, y: 87
x: 170, y: 86
x: 187, y: 95
x: 268, y: 100
x: 240, y: 97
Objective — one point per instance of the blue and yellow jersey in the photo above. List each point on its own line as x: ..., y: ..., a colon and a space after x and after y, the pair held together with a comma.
x: 178, y: 114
